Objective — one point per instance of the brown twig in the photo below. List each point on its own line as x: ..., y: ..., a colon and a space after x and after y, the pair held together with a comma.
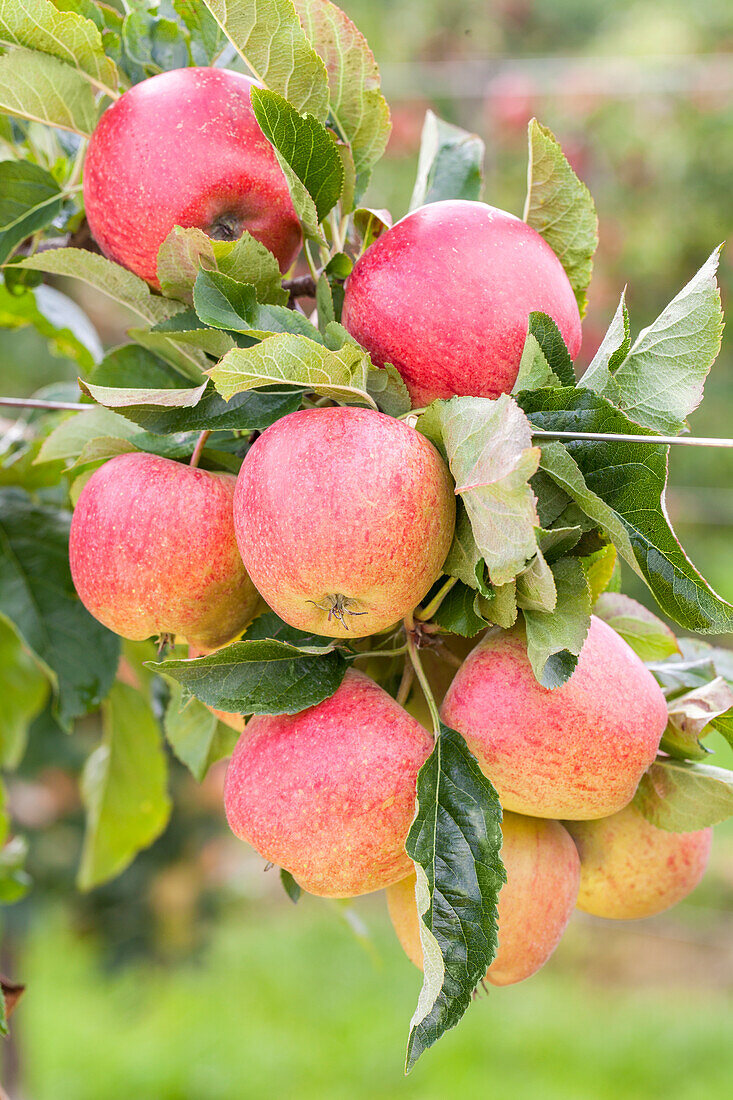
x: 303, y: 286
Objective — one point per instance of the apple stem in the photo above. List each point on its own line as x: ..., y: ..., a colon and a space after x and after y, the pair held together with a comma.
x: 420, y: 672
x: 398, y: 651
x: 198, y: 449
x: 408, y: 676
x: 432, y: 607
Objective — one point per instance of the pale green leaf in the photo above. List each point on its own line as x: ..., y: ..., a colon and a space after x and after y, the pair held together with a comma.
x: 649, y: 637
x: 613, y: 349
x: 65, y: 35
x: 123, y: 787
x: 555, y: 638
x: 661, y: 379
x: 194, y: 732
x: 38, y: 87
x: 295, y: 360
x: 450, y: 165
x: 561, y: 209
x: 268, y: 36
x: 358, y: 107
x: 24, y: 690
x: 682, y: 797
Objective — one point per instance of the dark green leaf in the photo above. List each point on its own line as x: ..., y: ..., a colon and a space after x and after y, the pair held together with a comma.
x: 37, y: 596
x: 261, y: 676
x: 304, y: 144
x: 23, y: 691
x: 630, y: 479
x: 555, y: 638
x: 457, y: 612
x: 30, y: 199
x: 228, y: 304
x: 455, y: 842
x: 552, y: 345
x: 290, y: 886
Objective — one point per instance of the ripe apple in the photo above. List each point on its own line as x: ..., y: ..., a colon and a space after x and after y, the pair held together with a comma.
x: 445, y: 296
x: 153, y: 551
x: 344, y: 518
x: 577, y: 751
x: 631, y: 869
x: 329, y: 793
x: 535, y: 903
x: 184, y: 148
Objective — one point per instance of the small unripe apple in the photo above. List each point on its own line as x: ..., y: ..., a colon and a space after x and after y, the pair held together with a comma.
x: 445, y: 296
x: 630, y: 869
x: 152, y: 551
x: 577, y: 751
x: 535, y: 903
x: 344, y: 518
x: 329, y: 793
x: 184, y: 148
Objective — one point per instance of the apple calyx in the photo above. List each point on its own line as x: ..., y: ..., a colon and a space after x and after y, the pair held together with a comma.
x: 227, y: 227
x: 337, y: 605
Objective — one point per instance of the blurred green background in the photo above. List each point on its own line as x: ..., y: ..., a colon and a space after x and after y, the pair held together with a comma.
x: 193, y: 977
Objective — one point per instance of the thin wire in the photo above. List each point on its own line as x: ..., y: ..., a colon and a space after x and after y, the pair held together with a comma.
x: 607, y: 437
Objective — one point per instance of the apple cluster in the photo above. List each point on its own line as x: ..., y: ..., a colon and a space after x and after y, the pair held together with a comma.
x: 340, y: 521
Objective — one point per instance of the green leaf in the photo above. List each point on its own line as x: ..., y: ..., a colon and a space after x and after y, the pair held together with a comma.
x: 130, y: 366
x: 630, y: 479
x: 250, y: 262
x: 370, y: 224
x: 269, y: 38
x: 107, y: 277
x: 196, y: 410
x: 14, y: 880
x: 464, y: 558
x: 357, y: 106
x: 196, y: 736
x: 696, y: 713
x: 491, y: 457
x: 555, y: 638
x: 71, y: 436
x: 66, y: 328
x: 535, y: 372
x: 37, y: 597
x: 612, y: 351
x: 457, y: 613
x: 450, y: 165
x: 153, y: 43
x: 561, y: 209
x: 648, y: 636
x: 304, y: 144
x: 207, y: 39
x: 295, y: 360
x: 30, y: 199
x: 552, y: 346
x: 38, y: 87
x: 290, y: 886
x: 501, y: 607
x: 65, y: 35
x: 180, y: 258
x: 225, y: 303
x: 682, y: 797
x: 261, y: 676
x: 455, y: 842
x: 386, y: 388
x: 123, y: 788
x: 23, y: 690
x: 661, y: 379
x: 536, y: 589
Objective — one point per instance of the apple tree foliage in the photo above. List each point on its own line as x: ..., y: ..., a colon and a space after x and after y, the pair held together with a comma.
x: 542, y: 522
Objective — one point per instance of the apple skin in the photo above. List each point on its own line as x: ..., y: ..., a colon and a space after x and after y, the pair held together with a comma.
x: 343, y: 503
x: 575, y: 752
x: 152, y: 551
x: 184, y: 148
x: 630, y: 869
x: 329, y: 793
x: 445, y: 296
x: 535, y: 904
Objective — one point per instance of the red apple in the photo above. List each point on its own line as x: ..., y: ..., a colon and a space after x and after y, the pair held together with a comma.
x: 344, y: 518
x: 535, y: 904
x: 576, y: 752
x: 329, y: 793
x: 184, y: 148
x: 630, y: 869
x: 445, y: 296
x: 153, y: 551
